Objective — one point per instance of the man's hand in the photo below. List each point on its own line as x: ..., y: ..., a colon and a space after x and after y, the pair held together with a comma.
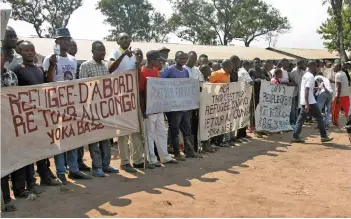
x: 53, y: 60
x: 307, y: 108
x: 128, y: 52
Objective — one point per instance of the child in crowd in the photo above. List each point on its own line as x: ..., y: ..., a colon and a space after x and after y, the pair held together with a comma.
x: 278, y: 74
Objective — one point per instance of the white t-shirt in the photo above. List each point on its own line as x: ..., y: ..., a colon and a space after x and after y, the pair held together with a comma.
x: 66, y: 67
x: 285, y: 78
x: 307, y: 82
x: 194, y: 73
x: 342, y: 78
x: 128, y: 63
x: 325, y: 83
x: 243, y: 76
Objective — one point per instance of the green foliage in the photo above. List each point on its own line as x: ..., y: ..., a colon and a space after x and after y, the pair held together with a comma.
x: 329, y: 30
x: 45, y: 15
x: 255, y: 19
x: 221, y: 21
x: 137, y: 18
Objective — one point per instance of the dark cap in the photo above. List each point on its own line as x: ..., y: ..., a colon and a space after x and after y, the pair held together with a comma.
x: 62, y: 32
x: 164, y: 49
x: 153, y: 55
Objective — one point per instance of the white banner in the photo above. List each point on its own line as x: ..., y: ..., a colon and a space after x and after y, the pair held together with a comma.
x: 44, y: 120
x: 273, y: 112
x: 172, y: 94
x: 223, y: 108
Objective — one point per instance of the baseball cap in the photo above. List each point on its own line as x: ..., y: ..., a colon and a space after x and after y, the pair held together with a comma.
x: 153, y: 55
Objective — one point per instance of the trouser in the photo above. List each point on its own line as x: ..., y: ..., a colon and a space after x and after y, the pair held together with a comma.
x: 179, y: 120
x: 325, y: 100
x: 80, y: 156
x: 72, y: 161
x: 294, y: 110
x: 5, y: 189
x: 241, y: 133
x: 136, y: 148
x: 156, y: 135
x: 18, y: 179
x: 100, y: 153
x: 252, y: 111
x: 344, y: 104
x: 195, y: 127
x: 316, y: 113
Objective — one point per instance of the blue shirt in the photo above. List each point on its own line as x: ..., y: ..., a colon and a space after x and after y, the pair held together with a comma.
x: 173, y: 72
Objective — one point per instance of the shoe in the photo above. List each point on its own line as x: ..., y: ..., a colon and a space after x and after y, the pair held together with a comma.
x: 78, y: 175
x: 62, y: 178
x: 141, y: 166
x: 173, y: 161
x: 189, y: 148
x: 35, y: 189
x: 110, y: 170
x: 298, y: 140
x: 157, y: 164
x: 23, y: 194
x: 327, y: 139
x: 50, y: 181
x: 207, y: 147
x: 84, y: 167
x: 128, y: 168
x: 180, y: 157
x: 98, y: 173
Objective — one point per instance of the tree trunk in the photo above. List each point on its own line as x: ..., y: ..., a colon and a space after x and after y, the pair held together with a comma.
x: 337, y: 7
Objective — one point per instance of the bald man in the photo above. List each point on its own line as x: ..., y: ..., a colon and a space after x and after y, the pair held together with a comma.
x: 9, y: 44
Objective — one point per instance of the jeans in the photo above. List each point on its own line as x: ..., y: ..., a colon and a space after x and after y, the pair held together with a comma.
x: 316, y: 113
x: 72, y: 161
x: 325, y: 99
x: 294, y: 110
x: 100, y: 153
x: 80, y: 156
x: 157, y: 134
x: 180, y: 120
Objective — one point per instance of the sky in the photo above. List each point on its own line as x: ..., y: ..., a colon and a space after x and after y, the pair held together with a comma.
x: 305, y: 17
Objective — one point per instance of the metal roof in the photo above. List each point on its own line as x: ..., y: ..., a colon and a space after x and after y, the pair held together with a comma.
x: 44, y: 46
x: 306, y: 53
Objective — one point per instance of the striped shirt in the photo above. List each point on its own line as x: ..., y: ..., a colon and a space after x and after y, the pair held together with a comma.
x: 93, y: 69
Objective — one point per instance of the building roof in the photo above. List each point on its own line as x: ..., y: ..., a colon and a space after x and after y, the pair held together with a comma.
x: 44, y: 46
x: 305, y: 53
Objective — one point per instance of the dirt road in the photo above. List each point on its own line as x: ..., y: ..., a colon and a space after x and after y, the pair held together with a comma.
x: 267, y: 177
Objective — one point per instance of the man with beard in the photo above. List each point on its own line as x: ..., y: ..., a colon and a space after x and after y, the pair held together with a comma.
x: 57, y: 68
x: 123, y: 60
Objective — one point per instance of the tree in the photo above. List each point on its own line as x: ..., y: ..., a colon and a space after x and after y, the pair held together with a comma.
x: 256, y: 19
x: 45, y: 15
x: 138, y: 18
x: 222, y: 21
x: 329, y: 30
x: 336, y: 30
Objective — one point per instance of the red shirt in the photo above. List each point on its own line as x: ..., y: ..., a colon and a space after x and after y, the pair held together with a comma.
x: 145, y: 72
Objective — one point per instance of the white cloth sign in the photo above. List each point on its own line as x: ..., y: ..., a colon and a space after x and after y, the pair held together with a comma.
x: 44, y: 120
x: 172, y: 94
x: 223, y: 108
x: 273, y: 112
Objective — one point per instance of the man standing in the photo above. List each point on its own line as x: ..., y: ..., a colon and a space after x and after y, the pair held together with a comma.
x: 295, y: 77
x: 309, y: 104
x: 180, y: 119
x: 216, y: 66
x: 28, y: 73
x: 203, y: 60
x: 123, y: 60
x: 342, y: 98
x: 325, y: 97
x: 12, y: 59
x: 164, y: 55
x: 59, y: 67
x: 100, y: 152
x: 155, y: 124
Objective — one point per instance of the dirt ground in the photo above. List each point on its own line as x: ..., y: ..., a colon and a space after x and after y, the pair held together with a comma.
x: 267, y: 177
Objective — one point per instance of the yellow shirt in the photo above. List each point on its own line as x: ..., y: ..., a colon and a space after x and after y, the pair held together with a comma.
x: 219, y: 76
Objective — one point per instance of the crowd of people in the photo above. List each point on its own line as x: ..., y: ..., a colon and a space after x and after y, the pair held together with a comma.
x: 313, y: 81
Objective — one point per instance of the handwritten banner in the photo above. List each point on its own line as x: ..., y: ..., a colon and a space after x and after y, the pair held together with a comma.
x: 224, y: 108
x: 273, y: 112
x: 172, y: 94
x: 41, y: 121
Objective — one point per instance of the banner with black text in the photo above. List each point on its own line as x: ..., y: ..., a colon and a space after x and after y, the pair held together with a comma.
x: 223, y: 108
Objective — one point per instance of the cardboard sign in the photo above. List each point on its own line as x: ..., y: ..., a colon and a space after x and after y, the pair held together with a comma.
x: 273, y: 112
x: 224, y: 108
x: 44, y: 120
